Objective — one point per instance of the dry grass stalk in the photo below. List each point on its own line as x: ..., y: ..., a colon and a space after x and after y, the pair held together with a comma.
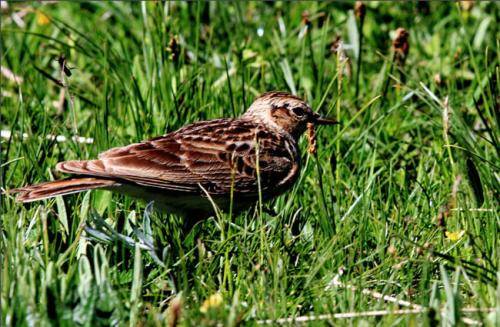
x: 376, y: 313
x: 5, y: 134
x: 8, y: 74
x: 446, y: 128
x: 377, y: 295
x: 416, y: 308
x: 60, y: 103
x: 454, y: 191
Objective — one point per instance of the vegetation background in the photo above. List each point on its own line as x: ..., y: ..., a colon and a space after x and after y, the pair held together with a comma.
x: 401, y: 199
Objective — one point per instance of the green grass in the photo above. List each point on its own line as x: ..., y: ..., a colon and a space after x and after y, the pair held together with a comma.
x: 399, y: 199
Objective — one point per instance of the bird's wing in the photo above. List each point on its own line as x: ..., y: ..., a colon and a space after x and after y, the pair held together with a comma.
x: 217, y: 155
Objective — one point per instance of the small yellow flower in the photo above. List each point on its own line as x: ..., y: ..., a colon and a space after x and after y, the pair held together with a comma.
x: 454, y: 236
x: 41, y: 18
x: 213, y: 301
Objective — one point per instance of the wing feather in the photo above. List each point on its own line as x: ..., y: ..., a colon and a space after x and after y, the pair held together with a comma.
x: 217, y: 155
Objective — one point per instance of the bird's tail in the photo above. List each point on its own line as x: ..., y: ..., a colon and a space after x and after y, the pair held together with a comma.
x: 61, y: 187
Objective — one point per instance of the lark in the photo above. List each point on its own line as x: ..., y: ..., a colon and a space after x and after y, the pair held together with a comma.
x: 207, y: 162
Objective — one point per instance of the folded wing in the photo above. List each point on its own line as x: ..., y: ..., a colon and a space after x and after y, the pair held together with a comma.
x: 216, y: 155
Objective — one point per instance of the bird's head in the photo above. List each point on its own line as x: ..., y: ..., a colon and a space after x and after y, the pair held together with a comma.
x: 285, y: 111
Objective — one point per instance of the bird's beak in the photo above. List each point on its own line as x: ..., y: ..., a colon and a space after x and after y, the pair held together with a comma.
x: 318, y: 120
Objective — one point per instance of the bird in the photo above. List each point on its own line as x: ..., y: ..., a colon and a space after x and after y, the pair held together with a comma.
x: 228, y: 162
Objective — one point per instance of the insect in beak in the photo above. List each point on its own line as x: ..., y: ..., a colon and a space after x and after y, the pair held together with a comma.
x: 318, y: 120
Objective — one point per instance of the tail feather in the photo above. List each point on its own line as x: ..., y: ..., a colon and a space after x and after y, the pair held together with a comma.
x: 83, y: 167
x: 61, y: 187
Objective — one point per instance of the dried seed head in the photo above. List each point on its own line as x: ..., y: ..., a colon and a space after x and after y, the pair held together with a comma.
x: 311, y: 137
x: 444, y: 212
x: 337, y: 47
x: 419, y: 250
x: 321, y: 18
x: 305, y: 18
x: 401, y: 46
x: 467, y: 5
x: 360, y: 10
x: 398, y: 265
x: 437, y: 79
x: 423, y: 6
x: 63, y: 65
x: 400, y: 42
x: 410, y: 292
x: 392, y: 250
x: 174, y: 49
x: 175, y: 311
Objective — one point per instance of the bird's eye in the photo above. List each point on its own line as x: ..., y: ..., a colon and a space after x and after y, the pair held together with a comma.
x: 299, y: 112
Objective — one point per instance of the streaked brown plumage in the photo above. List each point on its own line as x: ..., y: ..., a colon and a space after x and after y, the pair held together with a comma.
x: 217, y: 157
